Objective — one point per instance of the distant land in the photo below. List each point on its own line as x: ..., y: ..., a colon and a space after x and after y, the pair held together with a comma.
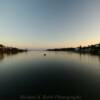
x: 92, y: 49
x: 10, y: 50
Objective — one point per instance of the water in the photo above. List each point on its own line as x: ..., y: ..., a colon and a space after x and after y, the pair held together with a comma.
x: 60, y: 75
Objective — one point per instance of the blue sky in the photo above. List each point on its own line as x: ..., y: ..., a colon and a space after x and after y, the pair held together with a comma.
x: 49, y: 23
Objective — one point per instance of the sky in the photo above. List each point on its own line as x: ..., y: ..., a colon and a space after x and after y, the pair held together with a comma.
x: 49, y: 23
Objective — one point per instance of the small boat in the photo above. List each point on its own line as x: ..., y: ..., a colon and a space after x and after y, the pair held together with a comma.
x: 44, y: 54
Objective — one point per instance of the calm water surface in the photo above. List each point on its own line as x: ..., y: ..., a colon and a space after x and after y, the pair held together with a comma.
x: 58, y: 73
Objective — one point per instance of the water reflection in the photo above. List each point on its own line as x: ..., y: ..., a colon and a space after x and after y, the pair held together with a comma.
x: 1, y: 56
x: 84, y: 58
x: 57, y: 73
x: 99, y: 58
x: 4, y: 55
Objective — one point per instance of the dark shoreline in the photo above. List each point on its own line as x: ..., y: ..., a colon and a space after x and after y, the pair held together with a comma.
x: 90, y: 49
x: 11, y: 50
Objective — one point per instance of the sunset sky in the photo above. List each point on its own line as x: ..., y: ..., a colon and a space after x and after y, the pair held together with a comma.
x: 49, y: 23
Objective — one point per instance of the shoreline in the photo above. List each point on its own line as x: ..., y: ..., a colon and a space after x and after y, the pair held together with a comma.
x: 90, y: 49
x: 11, y: 50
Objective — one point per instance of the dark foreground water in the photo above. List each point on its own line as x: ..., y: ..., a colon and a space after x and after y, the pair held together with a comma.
x: 59, y: 75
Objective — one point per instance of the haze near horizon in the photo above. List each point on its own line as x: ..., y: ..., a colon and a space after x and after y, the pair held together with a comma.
x: 39, y: 24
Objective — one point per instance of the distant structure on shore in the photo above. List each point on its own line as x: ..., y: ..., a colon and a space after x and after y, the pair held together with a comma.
x: 93, y: 49
x: 8, y: 50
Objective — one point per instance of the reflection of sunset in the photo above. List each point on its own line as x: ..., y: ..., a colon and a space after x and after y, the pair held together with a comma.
x: 50, y: 48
